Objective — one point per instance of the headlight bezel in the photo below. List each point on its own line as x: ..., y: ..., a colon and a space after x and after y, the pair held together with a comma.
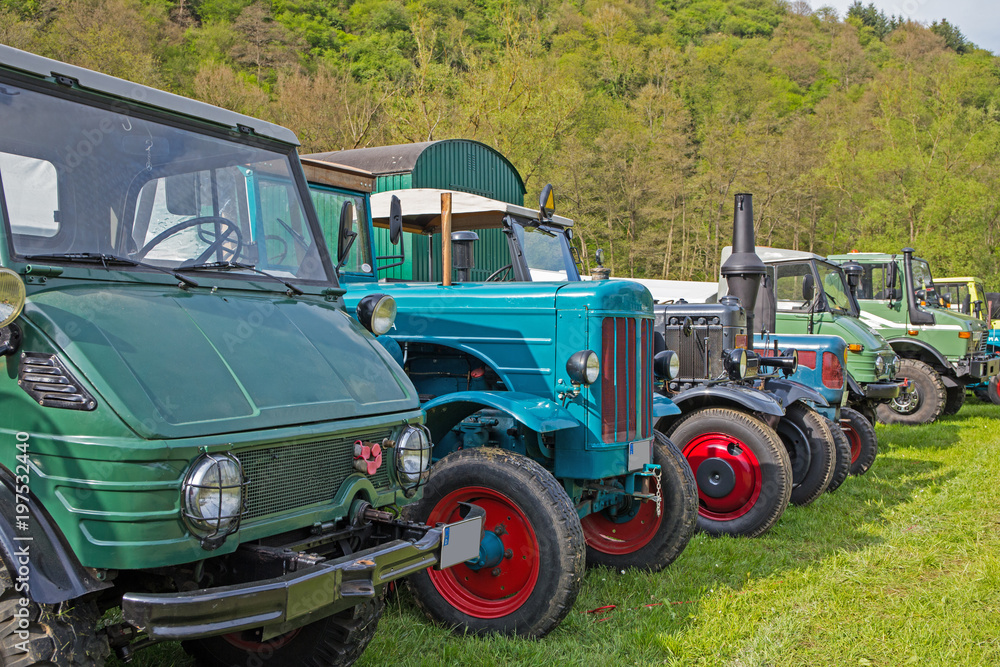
x: 736, y: 364
x: 213, y: 530
x: 410, y: 481
x: 667, y: 365
x: 10, y: 281
x: 582, y: 365
x: 373, y: 315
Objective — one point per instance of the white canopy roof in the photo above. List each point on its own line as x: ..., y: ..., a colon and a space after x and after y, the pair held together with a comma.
x: 422, y: 210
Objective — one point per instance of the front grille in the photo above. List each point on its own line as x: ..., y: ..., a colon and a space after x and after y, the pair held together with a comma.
x: 287, y: 477
x: 699, y: 345
x: 626, y: 379
x: 47, y: 380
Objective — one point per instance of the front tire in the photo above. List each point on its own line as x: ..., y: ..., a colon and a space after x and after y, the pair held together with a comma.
x: 812, y: 452
x: 633, y: 535
x: 954, y: 401
x: 334, y: 641
x: 529, y: 520
x: 742, y: 470
x: 843, y: 466
x: 62, y: 634
x: 923, y: 403
x: 862, y: 438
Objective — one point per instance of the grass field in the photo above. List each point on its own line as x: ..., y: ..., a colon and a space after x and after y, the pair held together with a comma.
x: 899, y: 567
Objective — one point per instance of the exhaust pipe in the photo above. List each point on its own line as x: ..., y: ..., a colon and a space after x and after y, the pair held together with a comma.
x: 743, y: 270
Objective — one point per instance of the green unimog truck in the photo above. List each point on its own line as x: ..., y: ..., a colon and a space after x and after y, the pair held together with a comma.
x: 810, y: 295
x: 193, y: 429
x: 942, y: 350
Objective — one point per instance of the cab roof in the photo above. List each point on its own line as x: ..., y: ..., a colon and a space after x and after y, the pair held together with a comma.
x: 422, y: 211
x: 322, y: 172
x: 770, y: 255
x: 17, y: 60
x: 966, y: 279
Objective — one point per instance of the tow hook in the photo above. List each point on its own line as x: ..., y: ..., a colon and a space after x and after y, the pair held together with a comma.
x: 651, y: 473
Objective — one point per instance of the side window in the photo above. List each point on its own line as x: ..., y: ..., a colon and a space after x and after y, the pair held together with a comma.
x: 794, y: 286
x: 31, y: 191
x: 328, y: 204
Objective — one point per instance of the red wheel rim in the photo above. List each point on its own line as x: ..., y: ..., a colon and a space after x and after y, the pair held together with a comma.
x: 480, y: 594
x: 608, y: 536
x: 746, y: 468
x: 252, y: 646
x: 853, y: 437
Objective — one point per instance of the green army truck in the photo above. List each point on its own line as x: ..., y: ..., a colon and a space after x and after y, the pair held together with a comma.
x: 197, y: 442
x: 941, y: 350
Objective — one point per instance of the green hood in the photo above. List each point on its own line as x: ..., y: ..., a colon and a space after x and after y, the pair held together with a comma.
x: 180, y: 364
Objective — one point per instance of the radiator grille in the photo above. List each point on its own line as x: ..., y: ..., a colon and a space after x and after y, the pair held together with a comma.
x: 287, y: 477
x: 626, y: 379
x: 691, y: 349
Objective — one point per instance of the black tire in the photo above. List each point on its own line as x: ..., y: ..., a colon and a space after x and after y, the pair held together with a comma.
x: 63, y: 634
x: 924, y: 401
x: 714, y: 439
x: 993, y: 390
x: 334, y: 641
x: 633, y: 535
x: 811, y: 449
x: 534, y: 519
x: 843, y: 466
x: 954, y: 401
x: 862, y: 438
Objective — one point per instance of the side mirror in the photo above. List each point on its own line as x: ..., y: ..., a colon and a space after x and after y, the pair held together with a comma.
x: 808, y: 287
x: 395, y: 220
x: 890, y: 277
x: 599, y: 256
x: 346, y: 235
x: 547, y: 203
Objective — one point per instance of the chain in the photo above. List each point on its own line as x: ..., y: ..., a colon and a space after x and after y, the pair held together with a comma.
x: 659, y: 495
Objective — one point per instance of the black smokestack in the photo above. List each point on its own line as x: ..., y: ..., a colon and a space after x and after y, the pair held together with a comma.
x: 744, y: 270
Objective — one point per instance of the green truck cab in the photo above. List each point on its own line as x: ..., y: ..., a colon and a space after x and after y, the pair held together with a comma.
x: 810, y: 295
x: 539, y: 397
x: 941, y: 350
x: 193, y: 429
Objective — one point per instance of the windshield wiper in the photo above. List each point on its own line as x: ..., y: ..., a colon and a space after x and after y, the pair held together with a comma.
x: 105, y: 260
x: 225, y: 266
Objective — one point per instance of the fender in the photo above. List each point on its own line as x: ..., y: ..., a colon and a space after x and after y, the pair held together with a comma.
x: 853, y: 385
x: 55, y: 575
x: 538, y: 414
x: 664, y: 407
x: 790, y: 391
x: 907, y: 344
x: 751, y: 399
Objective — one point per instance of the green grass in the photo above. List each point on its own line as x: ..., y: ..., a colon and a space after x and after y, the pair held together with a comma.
x: 901, y: 566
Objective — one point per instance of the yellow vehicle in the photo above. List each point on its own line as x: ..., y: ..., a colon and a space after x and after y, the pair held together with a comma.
x: 968, y: 295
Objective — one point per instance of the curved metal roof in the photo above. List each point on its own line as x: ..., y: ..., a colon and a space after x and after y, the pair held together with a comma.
x: 379, y: 160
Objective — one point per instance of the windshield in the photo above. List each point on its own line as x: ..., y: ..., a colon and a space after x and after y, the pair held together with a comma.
x: 329, y: 203
x: 84, y: 180
x: 923, y: 284
x: 834, y: 283
x: 546, y: 251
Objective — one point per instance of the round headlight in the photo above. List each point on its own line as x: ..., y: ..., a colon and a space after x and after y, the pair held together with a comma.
x: 667, y: 365
x: 413, y: 458
x: 11, y: 296
x: 736, y: 364
x: 377, y: 313
x: 213, y: 496
x: 584, y: 367
x: 880, y: 365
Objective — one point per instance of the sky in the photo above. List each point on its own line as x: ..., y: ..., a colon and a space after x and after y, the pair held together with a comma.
x: 979, y: 20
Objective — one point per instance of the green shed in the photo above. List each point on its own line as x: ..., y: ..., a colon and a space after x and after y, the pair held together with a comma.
x: 449, y: 164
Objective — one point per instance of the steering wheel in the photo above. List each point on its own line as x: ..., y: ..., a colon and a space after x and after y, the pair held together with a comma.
x: 279, y: 256
x: 500, y: 275
x: 231, y: 232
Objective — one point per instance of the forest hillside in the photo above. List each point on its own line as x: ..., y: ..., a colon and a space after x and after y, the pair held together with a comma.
x: 860, y: 132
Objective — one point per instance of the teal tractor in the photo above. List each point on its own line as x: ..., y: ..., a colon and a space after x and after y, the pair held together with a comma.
x: 198, y: 443
x: 941, y: 350
x: 539, y: 398
x: 789, y: 452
